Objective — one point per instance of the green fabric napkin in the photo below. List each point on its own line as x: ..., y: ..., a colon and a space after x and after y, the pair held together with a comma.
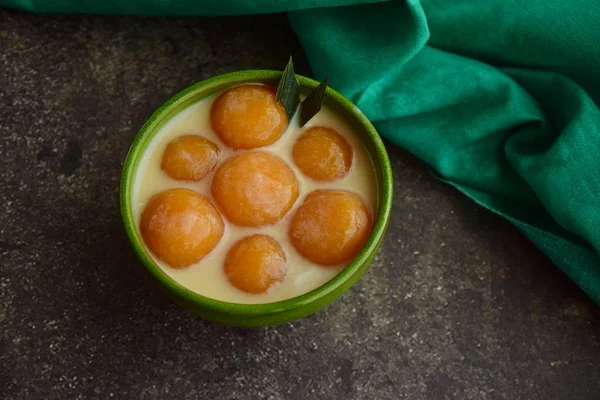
x: 499, y: 97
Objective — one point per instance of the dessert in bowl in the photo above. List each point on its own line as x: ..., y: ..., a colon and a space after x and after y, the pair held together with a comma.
x: 245, y: 217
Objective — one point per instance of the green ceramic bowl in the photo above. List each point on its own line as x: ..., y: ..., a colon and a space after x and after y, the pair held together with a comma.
x: 281, y: 311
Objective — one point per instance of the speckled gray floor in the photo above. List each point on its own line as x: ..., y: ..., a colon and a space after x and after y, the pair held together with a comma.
x: 458, y: 305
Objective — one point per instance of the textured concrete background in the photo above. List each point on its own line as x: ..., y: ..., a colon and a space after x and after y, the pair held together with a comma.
x: 458, y: 305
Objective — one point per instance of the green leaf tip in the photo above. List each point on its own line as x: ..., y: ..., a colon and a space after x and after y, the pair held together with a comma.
x: 311, y: 105
x: 288, y: 91
x: 288, y: 95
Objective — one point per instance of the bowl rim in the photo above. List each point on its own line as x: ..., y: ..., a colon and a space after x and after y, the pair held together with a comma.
x: 360, y: 262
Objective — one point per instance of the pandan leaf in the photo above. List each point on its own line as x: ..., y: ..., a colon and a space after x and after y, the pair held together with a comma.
x: 311, y: 105
x: 288, y: 91
x: 288, y: 95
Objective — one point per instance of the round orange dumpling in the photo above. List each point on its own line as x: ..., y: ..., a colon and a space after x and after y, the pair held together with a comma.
x: 330, y: 227
x: 254, y: 189
x: 323, y: 154
x: 180, y: 227
x: 247, y: 117
x: 190, y: 158
x: 255, y: 263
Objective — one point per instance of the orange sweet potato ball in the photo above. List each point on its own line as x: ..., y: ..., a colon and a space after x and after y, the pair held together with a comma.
x: 323, y: 154
x: 255, y: 263
x: 254, y: 189
x: 190, y: 158
x: 247, y: 117
x: 180, y: 227
x: 330, y: 227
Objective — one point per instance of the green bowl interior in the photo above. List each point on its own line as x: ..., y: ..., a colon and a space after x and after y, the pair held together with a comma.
x: 205, y: 88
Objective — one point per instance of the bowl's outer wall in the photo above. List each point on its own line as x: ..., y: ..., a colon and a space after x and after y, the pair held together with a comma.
x: 287, y: 310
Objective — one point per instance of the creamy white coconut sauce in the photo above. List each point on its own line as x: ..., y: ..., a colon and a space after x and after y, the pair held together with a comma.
x: 207, y: 277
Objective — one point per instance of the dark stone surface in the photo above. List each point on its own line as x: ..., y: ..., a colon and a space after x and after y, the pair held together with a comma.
x: 457, y: 304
